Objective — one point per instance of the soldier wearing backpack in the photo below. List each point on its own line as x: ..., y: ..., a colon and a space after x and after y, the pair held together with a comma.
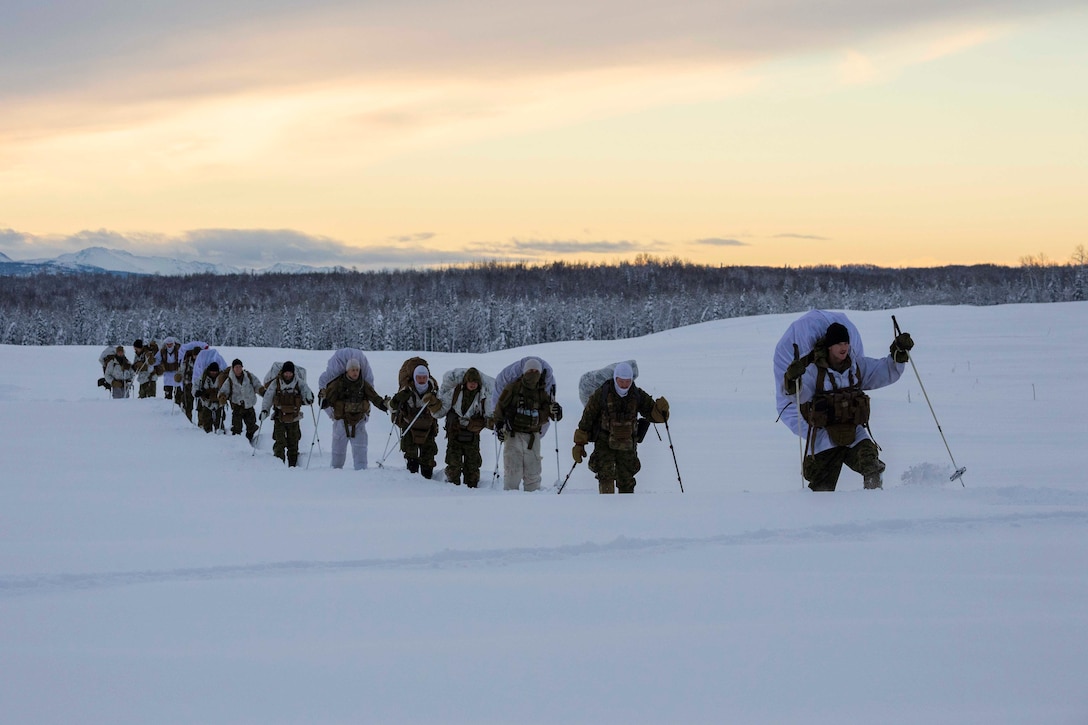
x: 413, y: 410
x: 525, y: 406
x: 284, y: 396
x: 465, y: 407
x: 167, y: 364
x: 349, y: 396
x: 118, y: 373
x: 835, y: 410
x: 209, y: 411
x: 240, y: 389
x: 611, y: 422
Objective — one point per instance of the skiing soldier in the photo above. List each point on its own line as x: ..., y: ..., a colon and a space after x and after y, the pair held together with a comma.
x: 465, y: 408
x: 118, y: 373
x: 241, y: 389
x: 167, y: 363
x: 284, y: 397
x: 143, y: 364
x: 611, y: 422
x: 835, y: 410
x: 349, y: 396
x: 209, y: 411
x: 523, y: 410
x: 413, y: 410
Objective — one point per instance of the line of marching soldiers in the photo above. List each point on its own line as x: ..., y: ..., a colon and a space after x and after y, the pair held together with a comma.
x: 195, y: 376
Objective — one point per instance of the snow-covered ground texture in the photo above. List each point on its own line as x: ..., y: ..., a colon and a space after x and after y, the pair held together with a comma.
x: 152, y: 573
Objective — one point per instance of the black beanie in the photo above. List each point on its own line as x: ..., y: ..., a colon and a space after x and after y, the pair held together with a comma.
x: 836, y: 333
x: 236, y: 362
x: 288, y: 367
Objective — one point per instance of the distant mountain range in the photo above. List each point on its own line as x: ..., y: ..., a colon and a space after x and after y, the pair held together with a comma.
x: 116, y: 261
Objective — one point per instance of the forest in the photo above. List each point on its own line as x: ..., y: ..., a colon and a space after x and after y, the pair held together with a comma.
x: 485, y: 307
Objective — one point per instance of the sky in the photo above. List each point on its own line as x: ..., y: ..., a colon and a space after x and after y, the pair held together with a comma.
x: 153, y: 573
x: 437, y: 132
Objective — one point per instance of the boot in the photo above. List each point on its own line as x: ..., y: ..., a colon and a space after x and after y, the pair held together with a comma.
x: 873, y: 478
x: 606, y: 486
x: 413, y: 465
x: 426, y: 471
x: 453, y: 476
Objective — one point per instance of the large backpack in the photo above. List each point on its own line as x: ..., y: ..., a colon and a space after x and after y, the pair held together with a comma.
x: 274, y: 371
x: 591, y: 381
x: 408, y: 369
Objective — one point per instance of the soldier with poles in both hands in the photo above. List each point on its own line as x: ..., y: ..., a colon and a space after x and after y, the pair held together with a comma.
x: 611, y: 421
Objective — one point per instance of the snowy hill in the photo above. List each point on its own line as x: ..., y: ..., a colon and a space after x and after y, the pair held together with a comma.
x: 102, y: 259
x: 115, y: 260
x: 150, y: 572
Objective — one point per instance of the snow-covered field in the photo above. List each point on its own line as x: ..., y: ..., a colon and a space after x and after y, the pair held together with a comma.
x: 151, y: 573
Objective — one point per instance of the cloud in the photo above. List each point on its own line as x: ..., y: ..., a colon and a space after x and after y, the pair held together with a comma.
x: 120, y: 63
x: 812, y: 237
x: 719, y: 242
x: 247, y: 248
x: 561, y: 247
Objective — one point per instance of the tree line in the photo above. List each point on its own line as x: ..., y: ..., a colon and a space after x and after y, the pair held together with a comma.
x: 487, y: 306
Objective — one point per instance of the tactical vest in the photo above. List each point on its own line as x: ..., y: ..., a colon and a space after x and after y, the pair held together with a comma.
x: 525, y: 416
x: 839, y: 410
x: 351, y: 404
x: 459, y: 427
x: 288, y: 403
x: 619, y: 419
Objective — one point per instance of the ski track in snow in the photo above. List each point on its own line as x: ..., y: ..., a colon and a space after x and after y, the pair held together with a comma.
x: 13, y: 586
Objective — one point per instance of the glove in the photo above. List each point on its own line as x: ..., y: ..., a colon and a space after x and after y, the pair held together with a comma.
x: 489, y: 423
x: 177, y: 377
x: 556, y: 411
x: 578, y: 452
x: 309, y: 400
x: 501, y: 434
x: 222, y: 398
x: 660, y: 411
x: 901, y: 346
x: 321, y: 393
x: 796, y: 370
x: 433, y: 403
x: 581, y: 437
x: 263, y: 415
x: 383, y: 404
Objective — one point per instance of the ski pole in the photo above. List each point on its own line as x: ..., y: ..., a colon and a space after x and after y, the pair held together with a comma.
x: 959, y: 470
x: 558, y: 470
x: 317, y: 438
x: 673, y: 449
x: 562, y: 485
x: 256, y: 436
x: 386, y: 451
x: 498, y: 458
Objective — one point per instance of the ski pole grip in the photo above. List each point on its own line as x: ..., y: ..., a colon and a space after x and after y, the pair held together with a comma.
x: 895, y: 325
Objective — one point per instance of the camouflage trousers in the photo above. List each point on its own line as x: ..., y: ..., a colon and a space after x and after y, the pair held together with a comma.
x: 209, y: 418
x: 822, y: 470
x: 148, y: 389
x: 241, y: 415
x: 463, y: 457
x: 285, y: 438
x: 419, y: 454
x: 615, y: 469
